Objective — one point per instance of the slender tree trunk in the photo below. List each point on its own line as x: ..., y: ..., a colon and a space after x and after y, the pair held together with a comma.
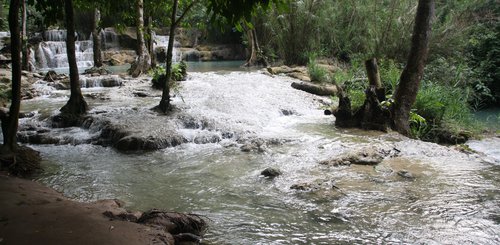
x: 76, y: 104
x: 96, y: 37
x: 10, y: 119
x: 373, y: 73
x: 252, y: 58
x: 143, y: 61
x: 25, y: 48
x: 407, y: 90
x: 165, y: 97
x: 150, y: 41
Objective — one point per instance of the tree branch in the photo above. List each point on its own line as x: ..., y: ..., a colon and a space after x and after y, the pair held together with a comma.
x: 178, y: 21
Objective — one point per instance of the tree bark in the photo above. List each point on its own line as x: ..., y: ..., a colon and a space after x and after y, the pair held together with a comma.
x: 373, y: 73
x: 374, y: 81
x: 143, y: 61
x: 322, y: 90
x: 150, y: 41
x: 25, y: 49
x: 256, y: 57
x: 165, y: 97
x: 164, y: 105
x: 96, y: 37
x: 406, y: 92
x: 10, y: 121
x: 76, y: 105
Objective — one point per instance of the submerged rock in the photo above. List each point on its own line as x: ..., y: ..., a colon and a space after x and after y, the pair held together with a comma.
x: 405, y: 174
x: 364, y: 156
x: 271, y: 172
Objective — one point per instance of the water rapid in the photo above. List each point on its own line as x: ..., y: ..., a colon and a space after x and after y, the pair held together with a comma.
x: 451, y: 197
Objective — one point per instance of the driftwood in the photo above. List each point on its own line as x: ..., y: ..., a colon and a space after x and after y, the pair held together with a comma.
x: 315, y: 89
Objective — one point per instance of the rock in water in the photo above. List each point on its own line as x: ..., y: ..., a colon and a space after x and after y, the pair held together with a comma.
x: 405, y: 174
x: 271, y: 172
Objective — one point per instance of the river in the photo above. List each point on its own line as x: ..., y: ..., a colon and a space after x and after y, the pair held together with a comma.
x: 452, y: 198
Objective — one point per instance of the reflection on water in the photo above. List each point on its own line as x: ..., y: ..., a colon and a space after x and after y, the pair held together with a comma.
x: 219, y: 66
x: 451, y: 198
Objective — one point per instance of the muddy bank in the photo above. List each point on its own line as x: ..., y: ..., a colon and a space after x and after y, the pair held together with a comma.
x: 32, y: 213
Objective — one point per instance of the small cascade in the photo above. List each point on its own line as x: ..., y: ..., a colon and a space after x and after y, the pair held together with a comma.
x: 161, y: 46
x: 110, y: 39
x: 51, y: 53
x: 3, y: 35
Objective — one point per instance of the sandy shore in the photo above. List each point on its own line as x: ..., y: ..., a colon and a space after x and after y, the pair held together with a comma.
x: 31, y: 213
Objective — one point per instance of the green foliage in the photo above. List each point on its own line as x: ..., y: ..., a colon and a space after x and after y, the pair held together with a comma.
x: 418, y: 125
x: 179, y: 73
x: 316, y: 73
x: 390, y: 73
x: 442, y: 107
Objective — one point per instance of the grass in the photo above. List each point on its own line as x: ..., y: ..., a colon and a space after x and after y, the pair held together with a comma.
x: 316, y: 73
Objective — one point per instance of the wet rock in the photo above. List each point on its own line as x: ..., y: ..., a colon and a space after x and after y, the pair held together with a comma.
x: 271, y: 172
x: 363, y: 156
x: 295, y: 72
x: 206, y: 138
x: 141, y: 94
x: 175, y: 223
x: 256, y: 145
x: 61, y: 85
x: 318, y: 189
x: 52, y: 76
x: 36, y: 138
x: 97, y: 71
x: 132, y: 143
x: 27, y: 114
x: 405, y: 174
x: 287, y: 112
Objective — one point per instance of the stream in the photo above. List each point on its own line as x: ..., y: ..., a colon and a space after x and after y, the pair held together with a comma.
x: 451, y: 198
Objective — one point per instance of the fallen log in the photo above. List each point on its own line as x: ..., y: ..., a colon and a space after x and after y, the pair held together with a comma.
x: 315, y: 89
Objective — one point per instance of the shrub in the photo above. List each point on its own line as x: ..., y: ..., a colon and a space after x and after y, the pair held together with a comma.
x: 179, y: 73
x: 316, y: 73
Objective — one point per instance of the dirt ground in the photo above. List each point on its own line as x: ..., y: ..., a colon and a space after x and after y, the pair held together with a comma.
x: 31, y: 213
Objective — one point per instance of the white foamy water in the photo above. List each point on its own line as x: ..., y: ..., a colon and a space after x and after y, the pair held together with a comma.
x: 452, y: 199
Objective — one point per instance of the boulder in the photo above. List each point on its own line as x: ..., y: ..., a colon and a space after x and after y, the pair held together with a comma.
x: 271, y: 172
x: 174, y: 222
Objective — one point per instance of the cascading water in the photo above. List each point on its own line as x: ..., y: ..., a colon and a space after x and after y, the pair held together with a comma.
x: 51, y: 53
x: 451, y: 197
x: 160, y: 48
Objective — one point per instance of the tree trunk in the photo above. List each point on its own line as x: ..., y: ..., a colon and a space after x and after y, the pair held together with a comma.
x: 76, y: 105
x: 150, y: 43
x: 96, y: 37
x: 143, y: 61
x: 10, y: 120
x: 374, y: 80
x: 406, y: 92
x: 26, y: 52
x: 165, y: 97
x: 256, y: 57
x: 373, y: 73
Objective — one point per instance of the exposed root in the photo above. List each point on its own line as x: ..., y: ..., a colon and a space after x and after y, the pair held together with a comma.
x: 24, y: 162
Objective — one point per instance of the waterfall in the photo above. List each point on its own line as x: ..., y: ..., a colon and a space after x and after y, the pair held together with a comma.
x: 160, y: 49
x: 51, y: 53
x: 110, y: 39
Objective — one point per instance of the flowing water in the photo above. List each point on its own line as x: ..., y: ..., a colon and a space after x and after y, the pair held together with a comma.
x: 452, y: 198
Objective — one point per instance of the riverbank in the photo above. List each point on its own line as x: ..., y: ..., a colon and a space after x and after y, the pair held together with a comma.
x: 33, y: 213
